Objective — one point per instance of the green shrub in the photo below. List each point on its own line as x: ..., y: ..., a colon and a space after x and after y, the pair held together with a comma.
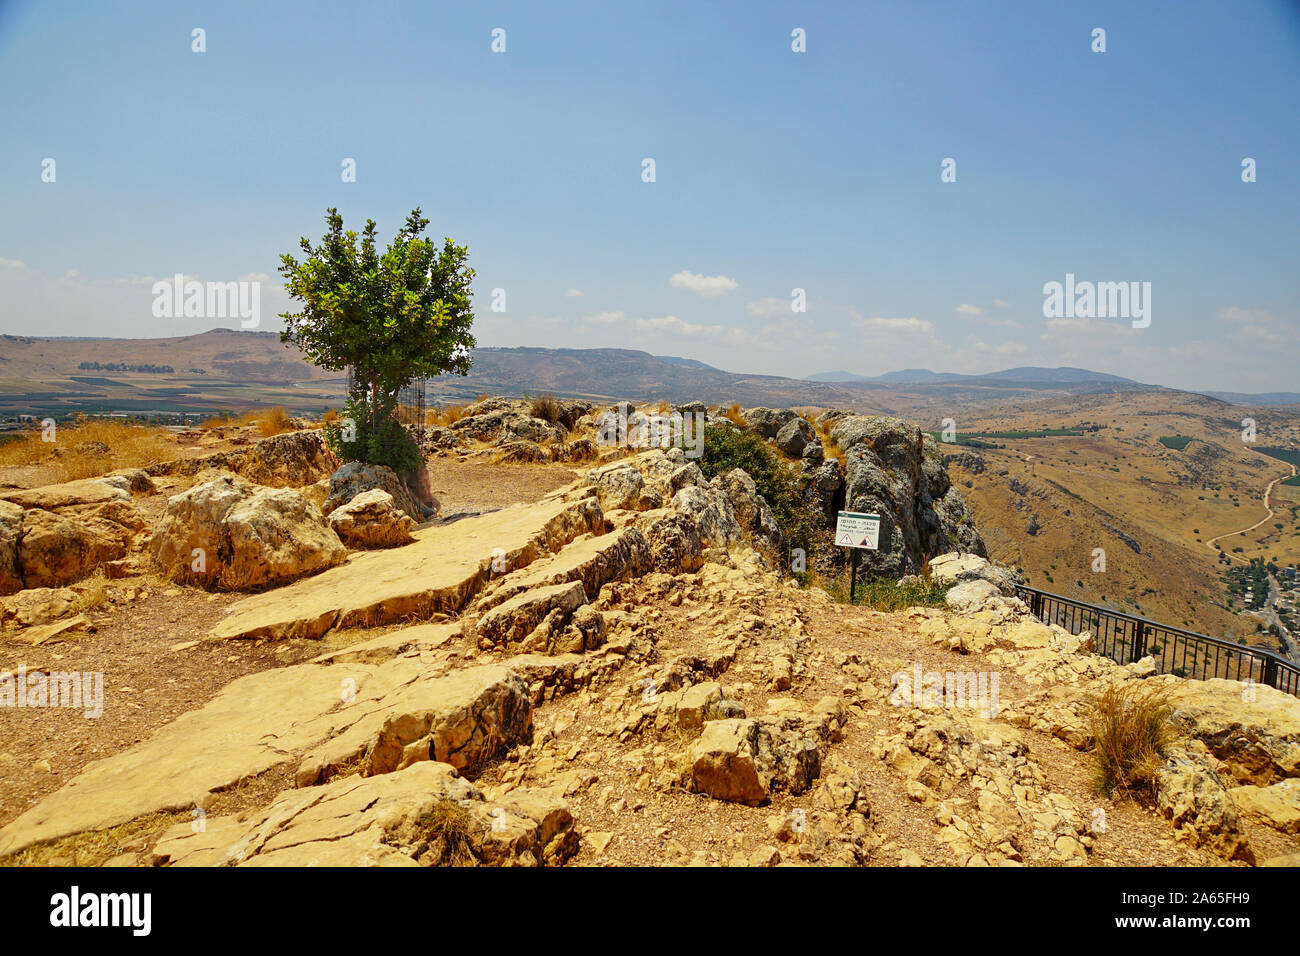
x: 386, y: 442
x: 801, y: 524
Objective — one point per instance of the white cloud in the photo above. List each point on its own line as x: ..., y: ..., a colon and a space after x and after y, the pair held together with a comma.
x: 981, y: 317
x: 710, y: 287
x: 12, y: 263
x: 672, y: 325
x: 1236, y: 314
x: 909, y: 324
x: 573, y: 293
x: 604, y: 318
x: 999, y: 303
x: 769, y: 308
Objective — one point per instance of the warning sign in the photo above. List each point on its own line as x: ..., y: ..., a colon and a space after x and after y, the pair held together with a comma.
x: 854, y: 530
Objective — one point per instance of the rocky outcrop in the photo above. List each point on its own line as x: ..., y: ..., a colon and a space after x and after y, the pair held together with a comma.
x: 767, y: 422
x: 371, y: 520
x: 1194, y: 799
x: 1254, y: 731
x: 464, y: 719
x: 231, y: 535
x: 513, y: 621
x: 895, y: 471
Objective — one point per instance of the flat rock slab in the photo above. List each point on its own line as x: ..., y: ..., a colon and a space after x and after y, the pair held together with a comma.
x: 421, y: 638
x: 87, y: 491
x: 390, y: 820
x: 438, y: 572
x: 254, y: 724
x: 390, y: 714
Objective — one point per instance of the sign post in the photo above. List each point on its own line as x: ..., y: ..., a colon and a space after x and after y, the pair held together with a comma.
x: 859, y: 532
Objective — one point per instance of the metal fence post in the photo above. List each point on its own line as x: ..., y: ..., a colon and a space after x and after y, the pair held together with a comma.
x: 1139, y: 641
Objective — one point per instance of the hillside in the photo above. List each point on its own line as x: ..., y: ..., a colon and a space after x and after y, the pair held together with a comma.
x: 1152, y: 508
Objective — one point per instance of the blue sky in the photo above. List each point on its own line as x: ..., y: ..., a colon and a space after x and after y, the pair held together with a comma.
x: 775, y: 170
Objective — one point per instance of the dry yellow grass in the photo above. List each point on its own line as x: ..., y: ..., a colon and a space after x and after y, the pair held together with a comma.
x: 1131, y: 730
x: 273, y: 421
x: 733, y: 415
x: 90, y: 447
x: 446, y: 415
x: 269, y: 421
x: 96, y: 847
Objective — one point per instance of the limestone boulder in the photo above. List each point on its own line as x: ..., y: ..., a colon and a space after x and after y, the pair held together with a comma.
x: 767, y: 422
x: 622, y: 486
x: 34, y: 606
x: 288, y: 460
x: 59, y: 547
x: 825, y: 486
x: 1277, y: 805
x: 11, y: 526
x: 750, y: 508
x: 742, y: 760
x: 954, y: 568
x: 711, y: 510
x: 371, y: 520
x: 970, y: 596
x: 231, y: 535
x: 355, y: 477
x: 674, y: 541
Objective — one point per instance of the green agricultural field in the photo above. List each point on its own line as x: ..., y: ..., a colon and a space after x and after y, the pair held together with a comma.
x: 1176, y: 442
x: 1289, y: 455
x: 984, y: 439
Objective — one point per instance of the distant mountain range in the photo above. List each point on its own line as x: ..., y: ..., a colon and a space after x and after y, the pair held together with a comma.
x: 1029, y: 374
x: 230, y: 369
x: 1063, y: 375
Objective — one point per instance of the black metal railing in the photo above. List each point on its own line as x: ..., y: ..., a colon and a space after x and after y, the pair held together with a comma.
x: 1126, y: 638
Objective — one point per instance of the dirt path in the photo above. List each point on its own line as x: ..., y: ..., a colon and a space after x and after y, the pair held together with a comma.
x: 1268, y: 490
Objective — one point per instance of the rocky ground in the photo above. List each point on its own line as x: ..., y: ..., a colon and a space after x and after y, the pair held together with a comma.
x: 590, y: 663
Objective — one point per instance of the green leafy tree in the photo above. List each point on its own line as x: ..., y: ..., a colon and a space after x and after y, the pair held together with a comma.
x: 390, y: 317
